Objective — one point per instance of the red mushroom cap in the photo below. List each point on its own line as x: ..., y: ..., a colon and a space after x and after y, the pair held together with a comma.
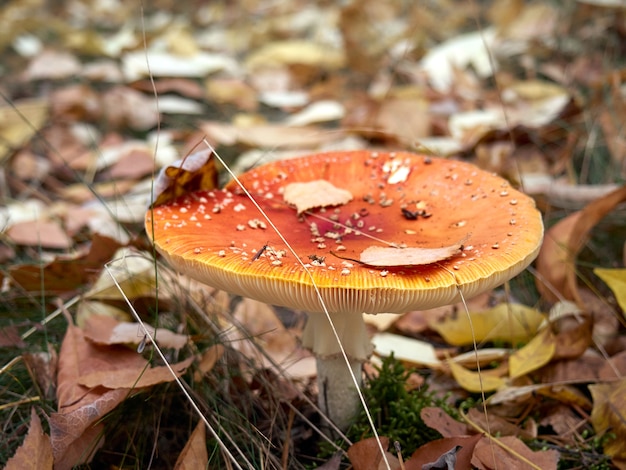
x: 402, y: 199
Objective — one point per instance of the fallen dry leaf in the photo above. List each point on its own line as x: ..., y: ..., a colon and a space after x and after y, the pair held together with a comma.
x: 106, y: 330
x: 75, y: 431
x: 406, y: 349
x: 313, y: 194
x: 132, y: 377
x: 207, y: 361
x: 194, y: 455
x: 35, y: 453
x: 485, y: 381
x: 609, y: 415
x: 442, y: 422
x: 46, y: 234
x: 10, y: 337
x: 194, y: 172
x: 534, y: 355
x: 365, y: 455
x: 19, y: 122
x: 563, y: 242
x: 65, y: 274
x: 505, y: 322
x: 456, y: 450
x: 512, y: 454
x: 616, y: 280
x: 270, y: 136
x: 413, y: 256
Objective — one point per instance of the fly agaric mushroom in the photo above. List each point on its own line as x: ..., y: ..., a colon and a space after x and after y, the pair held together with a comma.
x: 412, y: 233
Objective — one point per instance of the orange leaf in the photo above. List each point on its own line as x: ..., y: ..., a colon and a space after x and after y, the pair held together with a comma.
x: 35, y: 452
x: 512, y: 454
x: 564, y: 241
x: 365, y: 454
x: 134, y: 377
x: 74, y: 432
x: 194, y: 455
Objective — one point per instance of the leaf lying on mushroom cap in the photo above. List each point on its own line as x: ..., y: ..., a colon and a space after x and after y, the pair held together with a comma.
x: 318, y: 193
x: 194, y: 172
x: 391, y: 256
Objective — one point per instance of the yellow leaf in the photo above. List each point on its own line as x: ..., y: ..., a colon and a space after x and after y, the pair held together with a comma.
x: 484, y: 381
x: 616, y: 280
x: 504, y: 322
x: 609, y: 414
x: 537, y: 353
x: 19, y: 122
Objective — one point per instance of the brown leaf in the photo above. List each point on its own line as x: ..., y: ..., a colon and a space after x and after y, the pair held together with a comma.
x: 208, y: 360
x: 365, y: 454
x: 563, y: 242
x: 44, y: 368
x: 65, y: 275
x: 513, y: 454
x: 47, y: 234
x: 497, y: 425
x: 432, y: 451
x: 274, y: 136
x: 106, y: 330
x: 194, y: 172
x: 614, y: 368
x: 135, y: 163
x: 75, y: 434
x: 125, y: 107
x: 442, y: 422
x: 134, y: 377
x: 194, y: 455
x: 573, y: 337
x: 35, y: 453
x: 10, y: 337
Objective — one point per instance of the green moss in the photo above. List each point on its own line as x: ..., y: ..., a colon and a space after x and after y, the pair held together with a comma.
x: 396, y: 410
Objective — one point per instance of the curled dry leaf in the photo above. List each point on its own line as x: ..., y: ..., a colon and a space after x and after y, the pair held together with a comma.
x: 484, y: 381
x: 616, y: 280
x: 194, y: 172
x: 314, y: 194
x: 442, y: 454
x: 413, y: 256
x: 562, y: 244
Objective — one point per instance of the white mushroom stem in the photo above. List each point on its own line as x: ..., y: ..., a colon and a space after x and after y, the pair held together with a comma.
x: 338, y: 396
